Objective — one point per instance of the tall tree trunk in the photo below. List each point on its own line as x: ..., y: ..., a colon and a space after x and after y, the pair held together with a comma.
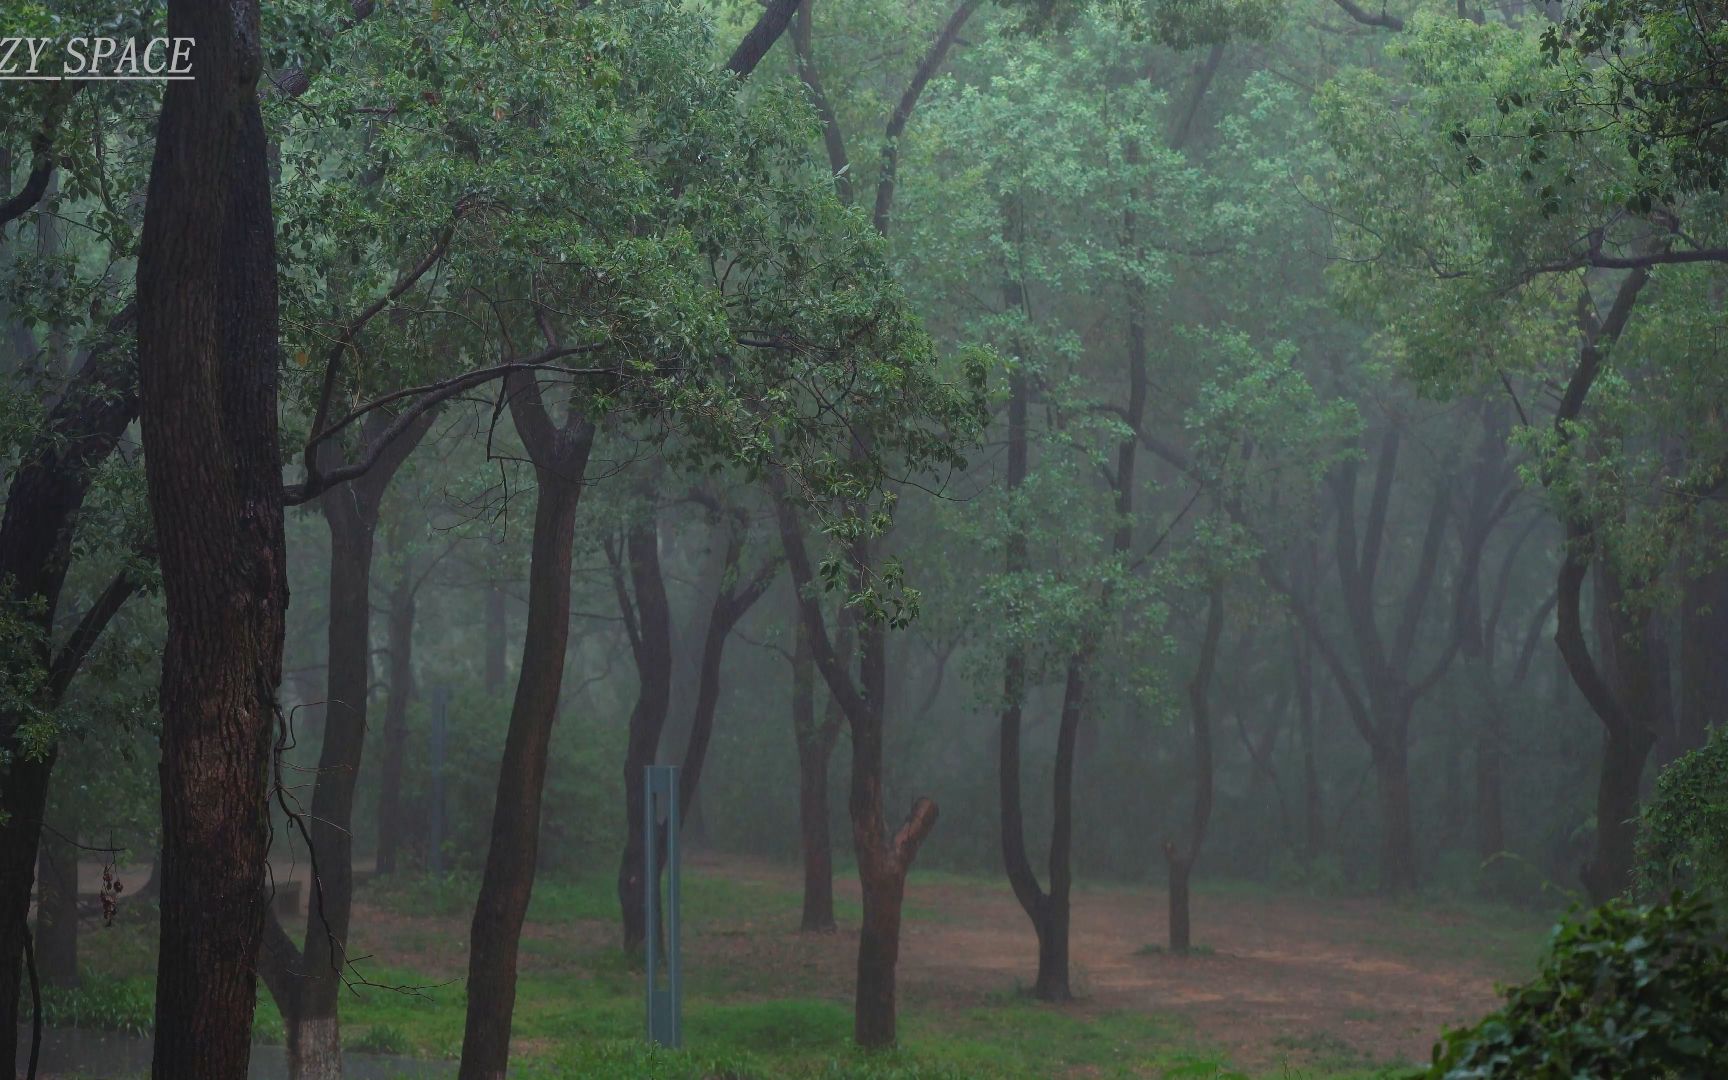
x: 733, y: 599
x: 57, y: 914
x: 884, y: 858
x: 649, y: 617
x: 560, y: 456
x: 43, y: 500
x: 1490, y: 807
x: 1048, y: 911
x: 1180, y: 859
x: 207, y: 351
x: 308, y: 995
x: 1609, y: 871
x: 497, y: 638
x: 314, y: 1033
x: 815, y: 746
x: 1313, y: 812
x: 1703, y: 673
x: 1397, y: 828
x: 395, y: 735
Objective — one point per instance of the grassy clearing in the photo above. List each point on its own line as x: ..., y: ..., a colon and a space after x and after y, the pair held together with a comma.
x: 578, y: 1014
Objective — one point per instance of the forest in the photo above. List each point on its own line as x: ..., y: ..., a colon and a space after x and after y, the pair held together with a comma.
x: 1163, y: 538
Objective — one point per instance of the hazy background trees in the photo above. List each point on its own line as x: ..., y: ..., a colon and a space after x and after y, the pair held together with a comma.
x: 1267, y: 440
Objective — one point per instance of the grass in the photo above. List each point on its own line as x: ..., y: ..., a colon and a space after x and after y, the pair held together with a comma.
x: 580, y: 1014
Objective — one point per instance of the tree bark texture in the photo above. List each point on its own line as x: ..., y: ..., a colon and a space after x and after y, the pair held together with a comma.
x: 207, y: 349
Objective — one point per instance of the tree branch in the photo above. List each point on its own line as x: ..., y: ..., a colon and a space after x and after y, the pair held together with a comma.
x: 1384, y: 20
x: 761, y: 37
x: 927, y: 69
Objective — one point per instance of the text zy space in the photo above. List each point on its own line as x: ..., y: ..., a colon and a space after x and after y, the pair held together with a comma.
x: 95, y: 58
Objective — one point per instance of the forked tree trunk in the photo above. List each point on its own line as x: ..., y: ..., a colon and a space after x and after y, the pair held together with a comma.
x: 1048, y: 911
x: 207, y: 348
x: 560, y: 456
x: 732, y: 601
x: 883, y: 857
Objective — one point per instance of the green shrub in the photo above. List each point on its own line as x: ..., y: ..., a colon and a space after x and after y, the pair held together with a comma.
x: 1633, y: 993
x: 1684, y: 840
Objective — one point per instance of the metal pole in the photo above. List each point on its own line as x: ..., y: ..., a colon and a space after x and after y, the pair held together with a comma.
x: 665, y: 1003
x: 435, y: 822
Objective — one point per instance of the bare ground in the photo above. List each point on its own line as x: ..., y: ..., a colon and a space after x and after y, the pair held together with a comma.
x: 1275, y: 978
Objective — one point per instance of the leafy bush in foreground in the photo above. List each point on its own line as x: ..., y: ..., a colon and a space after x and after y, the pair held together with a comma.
x: 1633, y: 993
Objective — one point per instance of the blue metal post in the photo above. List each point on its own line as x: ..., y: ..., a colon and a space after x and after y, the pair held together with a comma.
x: 665, y: 1003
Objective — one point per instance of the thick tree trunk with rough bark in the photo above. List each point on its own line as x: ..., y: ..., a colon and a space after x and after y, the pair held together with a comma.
x: 207, y: 348
x: 57, y: 914
x: 560, y: 456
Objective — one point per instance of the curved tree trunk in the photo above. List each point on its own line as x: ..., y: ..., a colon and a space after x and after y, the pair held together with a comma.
x: 560, y: 456
x: 649, y: 618
x: 309, y: 993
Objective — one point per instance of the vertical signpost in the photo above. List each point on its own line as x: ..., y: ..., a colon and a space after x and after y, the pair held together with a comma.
x: 665, y: 1002
x: 435, y: 823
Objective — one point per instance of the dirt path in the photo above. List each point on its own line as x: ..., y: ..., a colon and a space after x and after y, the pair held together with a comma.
x: 1276, y: 977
